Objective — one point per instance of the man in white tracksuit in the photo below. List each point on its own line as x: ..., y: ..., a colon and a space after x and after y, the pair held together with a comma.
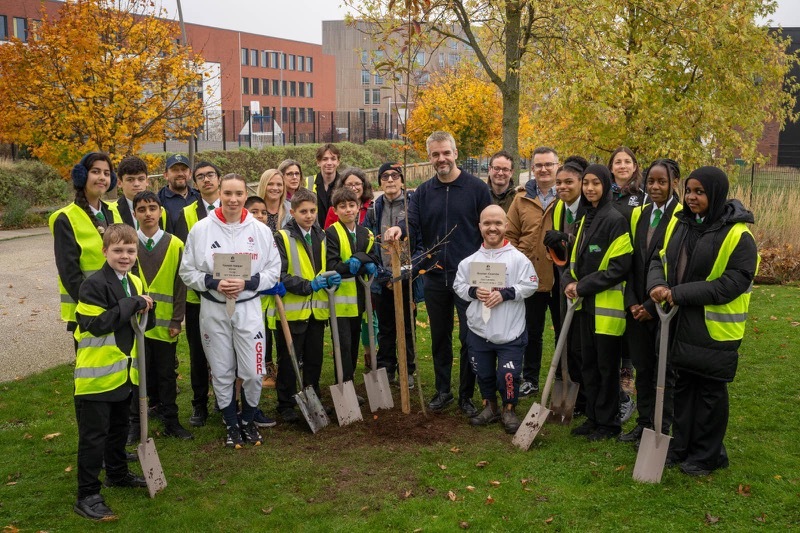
x: 496, y: 343
x: 233, y: 345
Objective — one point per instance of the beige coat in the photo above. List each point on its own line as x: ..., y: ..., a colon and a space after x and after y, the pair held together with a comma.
x: 527, y: 224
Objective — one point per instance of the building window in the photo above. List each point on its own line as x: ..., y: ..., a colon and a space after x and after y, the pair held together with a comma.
x: 376, y: 96
x: 283, y: 61
x: 276, y: 91
x: 310, y: 89
x: 244, y: 56
x: 265, y: 87
x: 424, y: 78
x: 301, y: 89
x: 452, y: 59
x: 21, y: 29
x: 301, y: 63
x: 366, y: 96
x: 256, y: 84
x: 364, y: 57
x: 246, y: 112
x: 365, y: 77
x: 274, y: 60
x: 254, y: 58
x: 378, y: 79
x: 293, y: 88
x: 3, y: 28
x: 309, y: 63
x: 245, y: 85
x: 302, y: 117
x: 264, y: 62
x: 453, y: 44
x: 293, y: 114
x: 441, y: 60
x: 374, y: 116
x: 283, y: 88
x: 285, y: 114
x: 291, y: 62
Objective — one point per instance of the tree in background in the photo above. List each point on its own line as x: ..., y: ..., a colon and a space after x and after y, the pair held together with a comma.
x: 694, y: 80
x: 102, y: 75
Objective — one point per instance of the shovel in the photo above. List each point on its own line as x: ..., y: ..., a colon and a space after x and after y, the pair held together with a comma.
x: 148, y: 456
x: 307, y: 399
x: 565, y: 394
x: 376, y: 381
x: 653, y: 447
x: 537, y: 414
x: 343, y: 394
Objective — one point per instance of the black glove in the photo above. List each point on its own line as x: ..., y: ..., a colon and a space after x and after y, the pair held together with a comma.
x: 554, y: 239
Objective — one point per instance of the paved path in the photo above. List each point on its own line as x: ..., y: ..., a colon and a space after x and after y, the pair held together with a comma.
x: 32, y: 336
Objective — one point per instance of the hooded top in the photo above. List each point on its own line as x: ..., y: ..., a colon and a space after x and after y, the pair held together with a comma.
x: 602, y: 172
x: 715, y: 183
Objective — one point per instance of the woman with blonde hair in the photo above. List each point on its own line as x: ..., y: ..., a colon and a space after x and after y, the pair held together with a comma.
x: 272, y: 190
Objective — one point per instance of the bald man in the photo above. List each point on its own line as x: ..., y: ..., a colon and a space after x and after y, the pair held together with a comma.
x: 497, y: 338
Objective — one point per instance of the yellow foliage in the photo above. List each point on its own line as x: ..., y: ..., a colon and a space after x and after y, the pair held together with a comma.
x: 103, y: 75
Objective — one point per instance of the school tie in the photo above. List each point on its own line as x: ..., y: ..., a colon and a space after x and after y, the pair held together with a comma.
x: 149, y: 244
x: 656, y: 218
x: 210, y: 207
x: 353, y: 238
x: 307, y: 237
x: 570, y: 217
x: 100, y: 216
x: 125, y: 286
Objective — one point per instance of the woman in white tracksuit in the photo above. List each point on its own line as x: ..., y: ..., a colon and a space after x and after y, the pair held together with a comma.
x: 233, y: 344
x: 496, y: 346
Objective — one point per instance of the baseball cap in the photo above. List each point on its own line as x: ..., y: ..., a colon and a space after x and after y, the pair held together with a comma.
x: 175, y: 159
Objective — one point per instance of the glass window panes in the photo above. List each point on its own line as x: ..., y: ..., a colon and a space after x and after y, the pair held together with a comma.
x: 245, y: 56
x: 256, y: 85
x: 365, y: 77
x: 366, y: 96
x: 309, y: 63
x: 265, y: 87
x: 254, y: 58
x: 293, y: 88
x: 376, y: 96
x: 245, y: 85
x: 291, y: 62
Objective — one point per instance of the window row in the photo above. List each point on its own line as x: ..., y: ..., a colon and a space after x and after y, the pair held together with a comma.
x: 288, y: 114
x: 19, y: 28
x: 272, y: 59
x: 303, y: 89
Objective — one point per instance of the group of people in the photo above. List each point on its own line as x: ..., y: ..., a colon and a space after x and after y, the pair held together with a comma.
x: 575, y: 230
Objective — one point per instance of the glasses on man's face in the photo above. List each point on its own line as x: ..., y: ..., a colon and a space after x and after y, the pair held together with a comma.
x: 292, y: 174
x: 206, y: 176
x: 506, y: 170
x: 390, y: 176
x: 540, y: 166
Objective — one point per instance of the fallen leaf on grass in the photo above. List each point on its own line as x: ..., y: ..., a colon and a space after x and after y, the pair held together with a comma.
x: 548, y: 519
x: 542, y: 499
x: 374, y: 417
x: 470, y: 488
x: 10, y: 483
x: 223, y: 481
x: 51, y: 436
x: 463, y: 525
x: 489, y: 500
x: 494, y: 483
x: 418, y: 530
x: 773, y: 317
x: 711, y: 519
x: 524, y: 481
x: 481, y: 464
x: 795, y: 324
x: 451, y: 495
x: 10, y: 528
x: 620, y: 468
x: 68, y: 469
x: 366, y: 507
x: 268, y: 510
x: 441, y: 467
x: 455, y: 449
x: 778, y: 476
x: 743, y: 490
x: 762, y: 518
x: 406, y: 494
x: 27, y: 436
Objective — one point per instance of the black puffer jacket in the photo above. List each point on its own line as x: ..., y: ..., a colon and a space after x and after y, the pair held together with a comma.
x: 692, y: 348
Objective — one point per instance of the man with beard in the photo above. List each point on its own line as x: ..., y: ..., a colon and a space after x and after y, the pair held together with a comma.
x: 177, y: 193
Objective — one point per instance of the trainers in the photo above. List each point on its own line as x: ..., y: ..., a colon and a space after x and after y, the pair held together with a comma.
x: 510, y: 420
x: 440, y: 401
x: 133, y: 435
x: 251, y: 435
x: 410, y: 382
x: 527, y: 388
x: 234, y: 438
x: 175, y: 429
x: 488, y: 416
x: 199, y: 416
x: 263, y: 421
x: 584, y: 429
x: 468, y: 408
x: 289, y: 415
x: 94, y: 508
x: 626, y: 410
x: 626, y: 380
x: 129, y: 480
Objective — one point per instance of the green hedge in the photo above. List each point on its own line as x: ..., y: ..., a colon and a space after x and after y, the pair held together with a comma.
x: 32, y: 182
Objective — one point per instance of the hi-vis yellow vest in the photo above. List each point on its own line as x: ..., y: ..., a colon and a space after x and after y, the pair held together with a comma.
x: 161, y: 290
x: 347, y: 295
x: 100, y: 366
x: 90, y: 242
x: 114, y: 208
x: 558, y: 214
x: 610, y: 304
x: 724, y: 322
x: 190, y: 214
x: 636, y: 214
x: 298, y: 307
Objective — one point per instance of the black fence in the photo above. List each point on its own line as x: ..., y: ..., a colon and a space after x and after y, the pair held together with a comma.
x: 762, y: 177
x: 230, y: 130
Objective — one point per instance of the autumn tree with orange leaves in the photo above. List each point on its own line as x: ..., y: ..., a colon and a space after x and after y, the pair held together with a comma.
x: 102, y: 75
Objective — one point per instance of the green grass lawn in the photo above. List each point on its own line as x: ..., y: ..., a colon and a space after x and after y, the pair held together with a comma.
x: 410, y: 473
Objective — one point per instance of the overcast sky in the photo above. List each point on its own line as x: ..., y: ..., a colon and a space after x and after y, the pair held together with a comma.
x: 300, y: 20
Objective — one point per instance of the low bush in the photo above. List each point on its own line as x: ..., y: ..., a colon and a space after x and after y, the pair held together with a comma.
x: 32, y: 182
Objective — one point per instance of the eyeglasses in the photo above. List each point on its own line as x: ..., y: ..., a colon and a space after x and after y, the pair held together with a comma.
x: 291, y: 174
x: 207, y: 176
x: 501, y: 169
x: 540, y: 166
x: 389, y: 176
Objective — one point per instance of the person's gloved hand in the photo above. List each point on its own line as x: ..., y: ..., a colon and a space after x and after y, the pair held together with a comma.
x: 355, y: 265
x: 372, y: 268
x: 334, y: 280
x: 319, y: 283
x: 278, y: 289
x: 554, y: 239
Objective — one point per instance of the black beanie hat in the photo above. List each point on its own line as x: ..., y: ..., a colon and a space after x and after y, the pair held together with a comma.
x: 715, y: 184
x: 393, y: 166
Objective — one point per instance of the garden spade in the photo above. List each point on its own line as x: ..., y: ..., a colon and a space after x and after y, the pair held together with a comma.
x: 376, y: 381
x: 653, y: 448
x: 307, y: 399
x: 148, y: 456
x: 565, y: 394
x: 343, y: 393
x: 538, y: 413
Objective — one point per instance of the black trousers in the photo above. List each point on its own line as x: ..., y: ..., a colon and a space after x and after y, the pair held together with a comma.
x: 536, y: 307
x: 102, y: 432
x: 308, y: 342
x: 162, y: 380
x: 642, y: 341
x: 197, y: 356
x: 701, y: 420
x: 600, y: 370
x: 349, y: 342
x: 387, y: 330
x: 441, y: 301
x: 575, y: 361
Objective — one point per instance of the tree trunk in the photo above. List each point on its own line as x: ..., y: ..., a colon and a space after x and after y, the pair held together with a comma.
x: 510, y: 88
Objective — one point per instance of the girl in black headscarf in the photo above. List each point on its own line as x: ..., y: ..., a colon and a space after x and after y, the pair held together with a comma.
x: 706, y: 268
x: 599, y: 264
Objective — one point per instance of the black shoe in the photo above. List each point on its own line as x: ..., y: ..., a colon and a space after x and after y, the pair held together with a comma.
x: 251, y: 435
x: 329, y: 410
x: 468, y: 408
x: 672, y: 461
x: 94, y: 508
x: 289, y: 415
x: 361, y: 400
x: 691, y: 469
x: 175, y: 429
x: 199, y: 416
x: 634, y: 435
x: 486, y: 417
x: 510, y: 420
x: 263, y: 421
x: 153, y: 413
x: 129, y: 480
x: 602, y: 434
x: 440, y: 401
x: 133, y: 435
x: 584, y: 429
x: 234, y: 438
